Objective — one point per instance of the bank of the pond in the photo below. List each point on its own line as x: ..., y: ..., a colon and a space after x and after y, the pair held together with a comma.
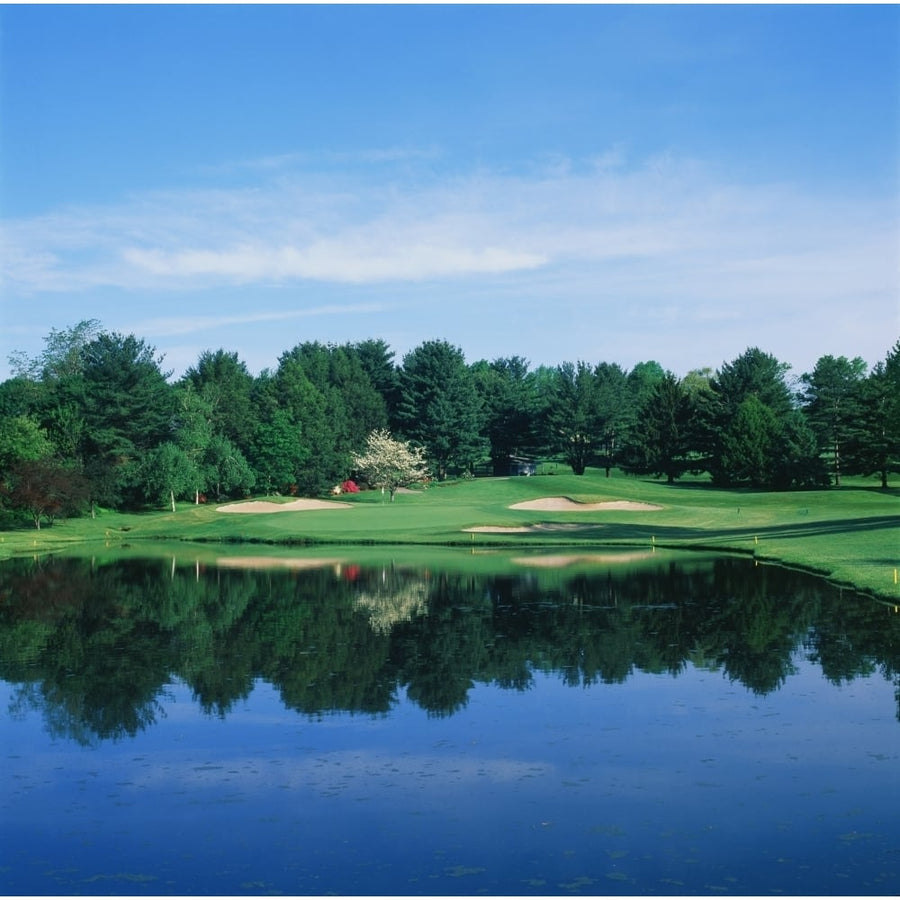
x: 850, y: 535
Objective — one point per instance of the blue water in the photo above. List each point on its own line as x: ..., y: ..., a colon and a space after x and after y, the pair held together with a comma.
x: 658, y: 785
x: 659, y: 725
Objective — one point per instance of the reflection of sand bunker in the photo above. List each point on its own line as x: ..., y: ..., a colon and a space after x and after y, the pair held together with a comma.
x: 540, y: 528
x: 566, y: 504
x: 267, y: 506
x: 557, y: 561
x: 273, y: 562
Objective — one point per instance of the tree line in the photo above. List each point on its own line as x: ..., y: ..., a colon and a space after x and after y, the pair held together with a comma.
x: 95, y: 419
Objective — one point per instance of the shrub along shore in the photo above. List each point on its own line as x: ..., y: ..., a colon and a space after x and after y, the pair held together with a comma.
x: 849, y: 535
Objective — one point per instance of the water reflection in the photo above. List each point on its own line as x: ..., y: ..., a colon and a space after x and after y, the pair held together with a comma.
x: 93, y: 647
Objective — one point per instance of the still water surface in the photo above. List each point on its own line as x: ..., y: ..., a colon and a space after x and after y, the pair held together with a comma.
x: 530, y: 725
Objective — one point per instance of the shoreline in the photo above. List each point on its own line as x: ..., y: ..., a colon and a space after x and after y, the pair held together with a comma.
x: 847, y: 537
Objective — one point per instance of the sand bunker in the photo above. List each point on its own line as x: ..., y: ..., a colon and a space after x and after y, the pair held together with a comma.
x: 561, y: 504
x: 566, y: 504
x: 267, y: 506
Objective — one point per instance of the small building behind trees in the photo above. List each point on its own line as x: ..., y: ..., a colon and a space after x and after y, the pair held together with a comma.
x: 515, y: 465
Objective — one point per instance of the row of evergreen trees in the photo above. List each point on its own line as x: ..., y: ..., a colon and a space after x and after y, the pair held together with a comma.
x: 96, y: 416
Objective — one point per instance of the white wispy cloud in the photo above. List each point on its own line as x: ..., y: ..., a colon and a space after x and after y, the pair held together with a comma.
x: 670, y: 228
x: 350, y: 258
x: 171, y: 326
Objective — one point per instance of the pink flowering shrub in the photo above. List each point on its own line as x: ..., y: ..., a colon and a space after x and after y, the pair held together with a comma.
x: 349, y: 487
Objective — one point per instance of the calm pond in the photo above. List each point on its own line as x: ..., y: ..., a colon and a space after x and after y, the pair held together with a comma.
x: 367, y: 723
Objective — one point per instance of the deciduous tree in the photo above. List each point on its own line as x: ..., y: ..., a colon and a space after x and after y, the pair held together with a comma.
x: 166, y: 473
x: 324, y: 460
x: 22, y: 438
x: 46, y: 489
x: 277, y: 450
x: 389, y: 464
x: 614, y: 412
x: 573, y: 416
x: 222, y: 380
x: 224, y: 470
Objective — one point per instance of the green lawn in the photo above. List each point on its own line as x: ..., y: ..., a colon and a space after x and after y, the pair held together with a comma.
x: 852, y: 535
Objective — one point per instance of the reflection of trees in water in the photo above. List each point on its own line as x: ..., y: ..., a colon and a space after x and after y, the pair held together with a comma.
x: 439, y: 656
x: 111, y: 647
x: 394, y: 599
x: 94, y: 647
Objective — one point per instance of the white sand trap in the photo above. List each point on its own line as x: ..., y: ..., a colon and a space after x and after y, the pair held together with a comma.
x: 267, y: 506
x: 566, y: 504
x: 539, y: 528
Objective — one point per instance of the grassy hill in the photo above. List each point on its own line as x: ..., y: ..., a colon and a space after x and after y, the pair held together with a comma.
x: 851, y: 535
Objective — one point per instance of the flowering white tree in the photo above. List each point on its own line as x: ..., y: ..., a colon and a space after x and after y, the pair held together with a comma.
x: 390, y: 464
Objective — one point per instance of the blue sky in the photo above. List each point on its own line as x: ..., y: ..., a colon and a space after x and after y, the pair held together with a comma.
x: 616, y: 183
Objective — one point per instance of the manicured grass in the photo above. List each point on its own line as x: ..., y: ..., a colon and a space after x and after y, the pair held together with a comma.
x: 851, y: 535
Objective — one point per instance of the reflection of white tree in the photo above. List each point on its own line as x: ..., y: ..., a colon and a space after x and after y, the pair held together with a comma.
x: 389, y: 604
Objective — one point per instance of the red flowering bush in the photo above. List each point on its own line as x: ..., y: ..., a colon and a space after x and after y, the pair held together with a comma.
x: 349, y: 487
